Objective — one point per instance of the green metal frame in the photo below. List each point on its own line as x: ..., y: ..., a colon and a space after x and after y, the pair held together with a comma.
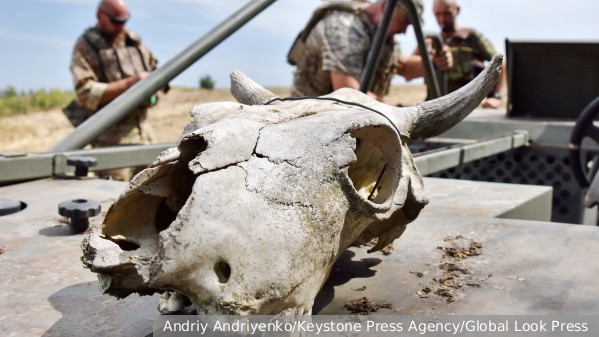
x: 35, y: 166
x: 459, y: 154
x: 18, y: 167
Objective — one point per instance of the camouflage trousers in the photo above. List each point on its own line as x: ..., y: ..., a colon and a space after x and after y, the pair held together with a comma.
x: 134, y: 129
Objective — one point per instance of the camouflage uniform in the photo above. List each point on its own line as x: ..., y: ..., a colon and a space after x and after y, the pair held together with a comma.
x: 341, y: 42
x: 94, y: 63
x: 470, y: 49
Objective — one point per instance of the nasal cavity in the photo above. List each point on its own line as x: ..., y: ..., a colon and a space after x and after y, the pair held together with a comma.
x: 164, y: 216
x: 122, y: 243
x: 223, y: 271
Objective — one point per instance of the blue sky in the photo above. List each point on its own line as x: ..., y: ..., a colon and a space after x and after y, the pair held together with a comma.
x: 37, y: 35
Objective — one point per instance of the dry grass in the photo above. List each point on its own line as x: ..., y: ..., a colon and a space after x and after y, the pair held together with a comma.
x: 38, y: 131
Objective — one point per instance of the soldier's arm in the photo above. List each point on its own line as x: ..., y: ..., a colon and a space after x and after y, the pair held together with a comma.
x: 342, y: 80
x: 485, y: 49
x: 114, y: 89
x: 87, y: 86
x: 91, y: 92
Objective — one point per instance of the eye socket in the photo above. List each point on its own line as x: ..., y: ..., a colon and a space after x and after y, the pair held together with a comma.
x: 223, y: 271
x: 375, y: 172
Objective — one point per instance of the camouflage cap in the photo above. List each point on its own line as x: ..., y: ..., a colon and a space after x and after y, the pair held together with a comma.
x: 417, y: 3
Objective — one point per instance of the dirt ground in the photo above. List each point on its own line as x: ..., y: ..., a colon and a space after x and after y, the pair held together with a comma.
x: 38, y: 131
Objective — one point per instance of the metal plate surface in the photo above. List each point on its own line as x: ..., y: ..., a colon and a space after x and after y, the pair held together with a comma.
x: 535, y: 267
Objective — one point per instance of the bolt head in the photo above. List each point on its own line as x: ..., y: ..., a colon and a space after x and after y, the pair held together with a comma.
x: 84, y: 161
x: 79, y: 208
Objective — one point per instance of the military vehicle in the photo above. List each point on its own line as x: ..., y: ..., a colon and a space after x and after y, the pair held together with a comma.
x: 507, y: 230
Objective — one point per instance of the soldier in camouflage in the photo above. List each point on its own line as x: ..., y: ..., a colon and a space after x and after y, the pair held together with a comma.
x: 106, y: 61
x: 470, y: 50
x: 331, y: 51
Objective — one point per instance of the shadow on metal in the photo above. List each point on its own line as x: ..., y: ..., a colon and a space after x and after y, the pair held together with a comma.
x: 344, y: 270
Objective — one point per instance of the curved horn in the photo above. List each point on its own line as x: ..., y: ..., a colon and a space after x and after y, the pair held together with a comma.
x: 439, y: 115
x: 246, y: 91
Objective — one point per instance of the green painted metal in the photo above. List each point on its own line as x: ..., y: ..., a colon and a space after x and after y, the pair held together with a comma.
x: 42, y: 165
x: 25, y: 167
x: 456, y: 155
x: 33, y: 166
x: 485, y: 123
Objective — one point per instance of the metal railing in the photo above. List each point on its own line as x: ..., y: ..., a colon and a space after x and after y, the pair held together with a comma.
x: 28, y: 166
x: 34, y: 166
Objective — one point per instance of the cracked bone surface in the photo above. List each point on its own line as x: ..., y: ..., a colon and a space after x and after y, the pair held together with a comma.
x: 249, y: 212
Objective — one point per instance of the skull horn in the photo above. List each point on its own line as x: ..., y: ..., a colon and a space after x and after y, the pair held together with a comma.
x: 439, y: 115
x: 246, y: 91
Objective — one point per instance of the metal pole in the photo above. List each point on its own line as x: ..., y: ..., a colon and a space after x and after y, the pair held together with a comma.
x: 373, y: 58
x: 119, y: 107
x: 379, y: 38
x: 441, y: 75
x: 429, y: 69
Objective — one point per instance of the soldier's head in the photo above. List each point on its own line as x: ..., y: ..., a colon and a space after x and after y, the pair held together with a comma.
x: 445, y: 12
x: 112, y: 16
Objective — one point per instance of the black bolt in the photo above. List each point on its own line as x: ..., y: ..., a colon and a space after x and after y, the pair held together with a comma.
x: 79, y: 211
x: 82, y: 164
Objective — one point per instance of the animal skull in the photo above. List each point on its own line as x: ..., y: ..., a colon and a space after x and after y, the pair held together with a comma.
x: 252, y: 208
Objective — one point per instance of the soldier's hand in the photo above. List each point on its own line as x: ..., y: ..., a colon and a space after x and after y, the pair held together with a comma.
x: 491, y: 103
x: 443, y: 59
x: 134, y: 79
x: 142, y: 75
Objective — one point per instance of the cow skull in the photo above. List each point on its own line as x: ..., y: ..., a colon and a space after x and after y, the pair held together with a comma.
x: 252, y: 208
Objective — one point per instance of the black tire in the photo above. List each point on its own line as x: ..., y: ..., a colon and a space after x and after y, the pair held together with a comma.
x: 584, y: 128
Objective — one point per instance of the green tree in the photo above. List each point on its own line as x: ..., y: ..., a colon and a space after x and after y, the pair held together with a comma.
x: 206, y: 82
x: 13, y: 101
x: 9, y: 92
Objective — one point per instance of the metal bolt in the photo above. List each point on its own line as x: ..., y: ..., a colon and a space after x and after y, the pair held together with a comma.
x: 79, y: 211
x: 82, y: 164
